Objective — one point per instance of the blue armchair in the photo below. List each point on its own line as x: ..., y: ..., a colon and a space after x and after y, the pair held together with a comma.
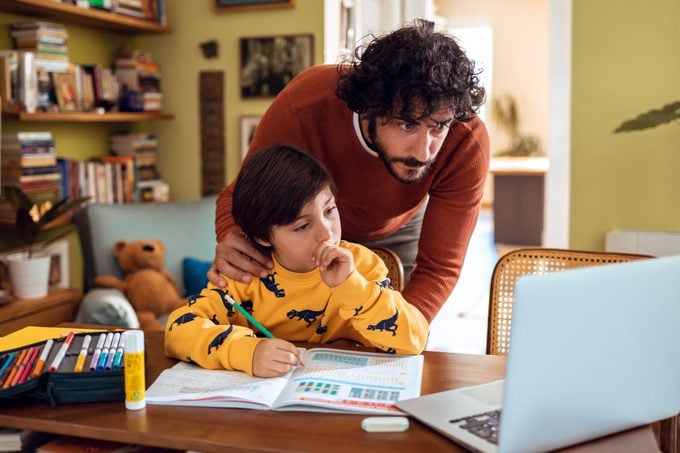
x: 187, y: 229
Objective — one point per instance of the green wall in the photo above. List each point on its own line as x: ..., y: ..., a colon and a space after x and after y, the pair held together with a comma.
x: 181, y: 62
x: 625, y: 61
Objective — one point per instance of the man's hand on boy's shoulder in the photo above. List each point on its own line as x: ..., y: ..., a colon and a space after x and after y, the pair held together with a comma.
x: 335, y: 263
x: 238, y: 259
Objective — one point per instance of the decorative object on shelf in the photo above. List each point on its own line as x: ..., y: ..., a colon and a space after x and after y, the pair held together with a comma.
x: 211, y: 108
x: 29, y: 269
x: 229, y: 6
x: 269, y: 63
x: 248, y: 125
x: 210, y: 49
x: 667, y: 114
x: 505, y: 114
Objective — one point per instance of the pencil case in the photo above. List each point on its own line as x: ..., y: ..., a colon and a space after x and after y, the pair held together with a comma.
x: 63, y: 385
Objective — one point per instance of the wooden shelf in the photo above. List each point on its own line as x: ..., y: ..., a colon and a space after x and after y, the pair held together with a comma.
x: 60, y: 305
x: 69, y: 13
x: 92, y: 117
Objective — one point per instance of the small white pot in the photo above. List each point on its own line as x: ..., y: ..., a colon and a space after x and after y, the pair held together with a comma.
x: 29, y: 276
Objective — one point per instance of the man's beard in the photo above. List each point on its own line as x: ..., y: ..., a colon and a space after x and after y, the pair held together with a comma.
x: 418, y: 169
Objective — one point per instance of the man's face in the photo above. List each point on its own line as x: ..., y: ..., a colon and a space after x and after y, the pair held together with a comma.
x: 409, y: 147
x: 294, y: 244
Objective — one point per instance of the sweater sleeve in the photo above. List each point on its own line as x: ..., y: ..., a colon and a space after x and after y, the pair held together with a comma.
x: 203, y: 332
x: 378, y: 312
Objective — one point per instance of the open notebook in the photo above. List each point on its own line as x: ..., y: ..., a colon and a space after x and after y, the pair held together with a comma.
x: 331, y: 380
x: 593, y: 351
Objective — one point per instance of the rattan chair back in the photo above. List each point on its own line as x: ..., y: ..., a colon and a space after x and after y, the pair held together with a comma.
x: 395, y: 270
x: 527, y: 262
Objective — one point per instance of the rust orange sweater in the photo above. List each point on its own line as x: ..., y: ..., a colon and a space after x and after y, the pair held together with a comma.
x: 372, y: 204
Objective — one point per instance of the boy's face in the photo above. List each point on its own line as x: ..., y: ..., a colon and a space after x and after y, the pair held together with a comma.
x: 293, y: 244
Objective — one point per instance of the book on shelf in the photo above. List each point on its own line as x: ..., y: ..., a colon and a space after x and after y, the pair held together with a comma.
x: 331, y: 380
x: 16, y: 160
x: 12, y: 439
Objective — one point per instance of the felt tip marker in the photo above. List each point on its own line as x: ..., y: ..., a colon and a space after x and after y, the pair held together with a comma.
x: 6, y: 367
x: 105, y: 352
x: 97, y: 352
x: 32, y: 355
x: 54, y: 366
x: 15, y: 369
x: 43, y: 357
x: 118, y: 359
x: 108, y: 365
x: 80, y: 362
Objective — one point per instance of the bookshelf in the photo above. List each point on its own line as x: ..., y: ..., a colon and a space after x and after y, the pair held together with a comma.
x: 100, y: 21
x: 72, y: 14
x: 93, y: 117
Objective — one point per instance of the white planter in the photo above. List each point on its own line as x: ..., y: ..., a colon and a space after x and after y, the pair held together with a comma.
x: 29, y: 276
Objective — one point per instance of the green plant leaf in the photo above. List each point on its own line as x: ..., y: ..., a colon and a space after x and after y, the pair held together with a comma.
x: 17, y: 198
x: 652, y: 118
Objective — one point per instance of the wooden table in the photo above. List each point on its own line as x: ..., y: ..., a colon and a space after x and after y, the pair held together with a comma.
x: 218, y: 429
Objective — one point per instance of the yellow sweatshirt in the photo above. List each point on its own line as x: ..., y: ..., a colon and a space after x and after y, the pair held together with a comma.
x: 296, y: 307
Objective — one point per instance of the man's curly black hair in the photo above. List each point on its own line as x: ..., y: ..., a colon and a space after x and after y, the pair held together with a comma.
x: 411, y: 68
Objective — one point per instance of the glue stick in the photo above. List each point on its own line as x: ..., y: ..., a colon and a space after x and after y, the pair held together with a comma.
x: 133, y: 359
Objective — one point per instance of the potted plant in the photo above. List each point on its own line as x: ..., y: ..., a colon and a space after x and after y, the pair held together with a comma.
x: 29, y: 269
x: 505, y: 114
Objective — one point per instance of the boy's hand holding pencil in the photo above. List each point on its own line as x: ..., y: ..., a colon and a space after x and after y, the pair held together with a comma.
x: 275, y: 357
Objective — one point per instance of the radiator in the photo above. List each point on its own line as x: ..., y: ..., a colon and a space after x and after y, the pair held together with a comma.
x: 656, y: 243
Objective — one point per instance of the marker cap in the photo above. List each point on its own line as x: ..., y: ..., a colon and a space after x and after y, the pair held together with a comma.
x: 133, y: 341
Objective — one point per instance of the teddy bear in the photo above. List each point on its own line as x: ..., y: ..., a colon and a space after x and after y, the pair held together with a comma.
x: 151, y: 290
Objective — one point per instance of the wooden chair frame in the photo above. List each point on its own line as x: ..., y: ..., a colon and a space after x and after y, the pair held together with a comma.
x: 395, y: 269
x: 530, y: 261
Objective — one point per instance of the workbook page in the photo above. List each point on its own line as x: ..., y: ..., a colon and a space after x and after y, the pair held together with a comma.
x: 333, y: 380
x: 190, y: 385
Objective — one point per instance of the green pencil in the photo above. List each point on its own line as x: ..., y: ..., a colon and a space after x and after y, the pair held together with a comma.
x: 249, y: 317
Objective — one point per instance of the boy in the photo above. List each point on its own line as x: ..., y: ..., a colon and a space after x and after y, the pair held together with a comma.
x: 321, y: 288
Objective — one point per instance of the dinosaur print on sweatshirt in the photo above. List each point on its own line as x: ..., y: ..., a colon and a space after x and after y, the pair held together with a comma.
x: 387, y: 325
x: 219, y: 339
x: 270, y: 283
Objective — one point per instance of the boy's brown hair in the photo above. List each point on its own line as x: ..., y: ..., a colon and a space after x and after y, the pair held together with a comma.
x: 272, y: 187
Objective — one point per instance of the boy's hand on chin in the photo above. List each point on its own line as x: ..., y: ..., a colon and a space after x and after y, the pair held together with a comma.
x: 274, y: 357
x: 335, y: 263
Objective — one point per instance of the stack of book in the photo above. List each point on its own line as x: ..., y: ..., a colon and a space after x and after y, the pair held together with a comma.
x: 140, y: 77
x: 12, y: 439
x: 46, y: 40
x: 141, y: 9
x: 142, y: 147
x: 29, y: 162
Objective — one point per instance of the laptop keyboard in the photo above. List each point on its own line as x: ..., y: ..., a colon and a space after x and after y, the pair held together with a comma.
x: 482, y: 425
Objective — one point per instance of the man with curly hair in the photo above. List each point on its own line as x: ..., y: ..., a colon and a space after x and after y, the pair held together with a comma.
x: 397, y: 129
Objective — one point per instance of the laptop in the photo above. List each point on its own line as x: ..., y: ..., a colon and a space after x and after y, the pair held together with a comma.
x: 593, y: 351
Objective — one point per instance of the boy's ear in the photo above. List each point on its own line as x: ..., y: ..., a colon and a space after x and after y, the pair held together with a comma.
x: 263, y: 243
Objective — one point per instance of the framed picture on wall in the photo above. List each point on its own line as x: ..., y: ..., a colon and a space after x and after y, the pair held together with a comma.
x: 248, y: 125
x: 228, y: 6
x: 269, y: 63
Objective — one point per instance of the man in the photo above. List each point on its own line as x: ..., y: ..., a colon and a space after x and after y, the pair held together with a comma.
x: 397, y: 130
